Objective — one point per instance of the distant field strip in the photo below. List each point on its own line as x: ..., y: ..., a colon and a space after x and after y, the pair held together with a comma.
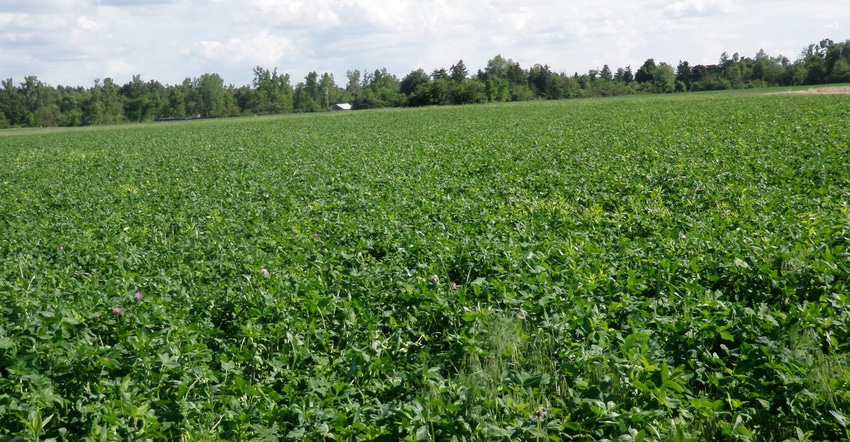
x: 830, y: 90
x: 645, y: 268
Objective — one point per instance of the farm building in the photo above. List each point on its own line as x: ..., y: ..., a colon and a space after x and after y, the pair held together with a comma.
x: 341, y: 107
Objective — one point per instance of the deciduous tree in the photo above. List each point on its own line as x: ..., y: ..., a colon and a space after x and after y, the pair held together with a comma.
x: 646, y: 73
x: 664, y: 78
x: 413, y: 81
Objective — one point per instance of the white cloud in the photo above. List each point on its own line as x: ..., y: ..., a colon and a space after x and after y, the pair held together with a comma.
x: 119, y: 68
x: 387, y: 14
x: 16, y: 37
x: 86, y: 24
x: 75, y: 41
x: 262, y: 48
x: 700, y: 7
x: 7, y: 19
x: 32, y: 22
x: 46, y: 6
x: 318, y: 14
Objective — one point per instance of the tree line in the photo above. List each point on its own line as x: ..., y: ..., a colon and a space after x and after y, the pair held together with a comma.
x: 33, y: 103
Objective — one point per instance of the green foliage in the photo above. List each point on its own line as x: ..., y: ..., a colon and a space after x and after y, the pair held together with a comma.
x: 412, y: 82
x: 458, y: 72
x: 272, y: 93
x: 650, y: 268
x: 646, y: 73
x: 379, y: 89
x: 664, y: 78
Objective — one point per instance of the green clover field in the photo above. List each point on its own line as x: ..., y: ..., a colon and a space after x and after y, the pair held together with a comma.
x: 662, y: 268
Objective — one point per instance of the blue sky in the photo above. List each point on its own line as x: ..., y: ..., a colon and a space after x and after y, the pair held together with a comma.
x: 73, y: 42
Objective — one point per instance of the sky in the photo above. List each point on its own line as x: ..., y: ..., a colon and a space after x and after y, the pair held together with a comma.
x: 74, y: 42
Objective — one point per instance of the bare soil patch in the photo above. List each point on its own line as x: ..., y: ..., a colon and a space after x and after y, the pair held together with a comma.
x: 833, y: 90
